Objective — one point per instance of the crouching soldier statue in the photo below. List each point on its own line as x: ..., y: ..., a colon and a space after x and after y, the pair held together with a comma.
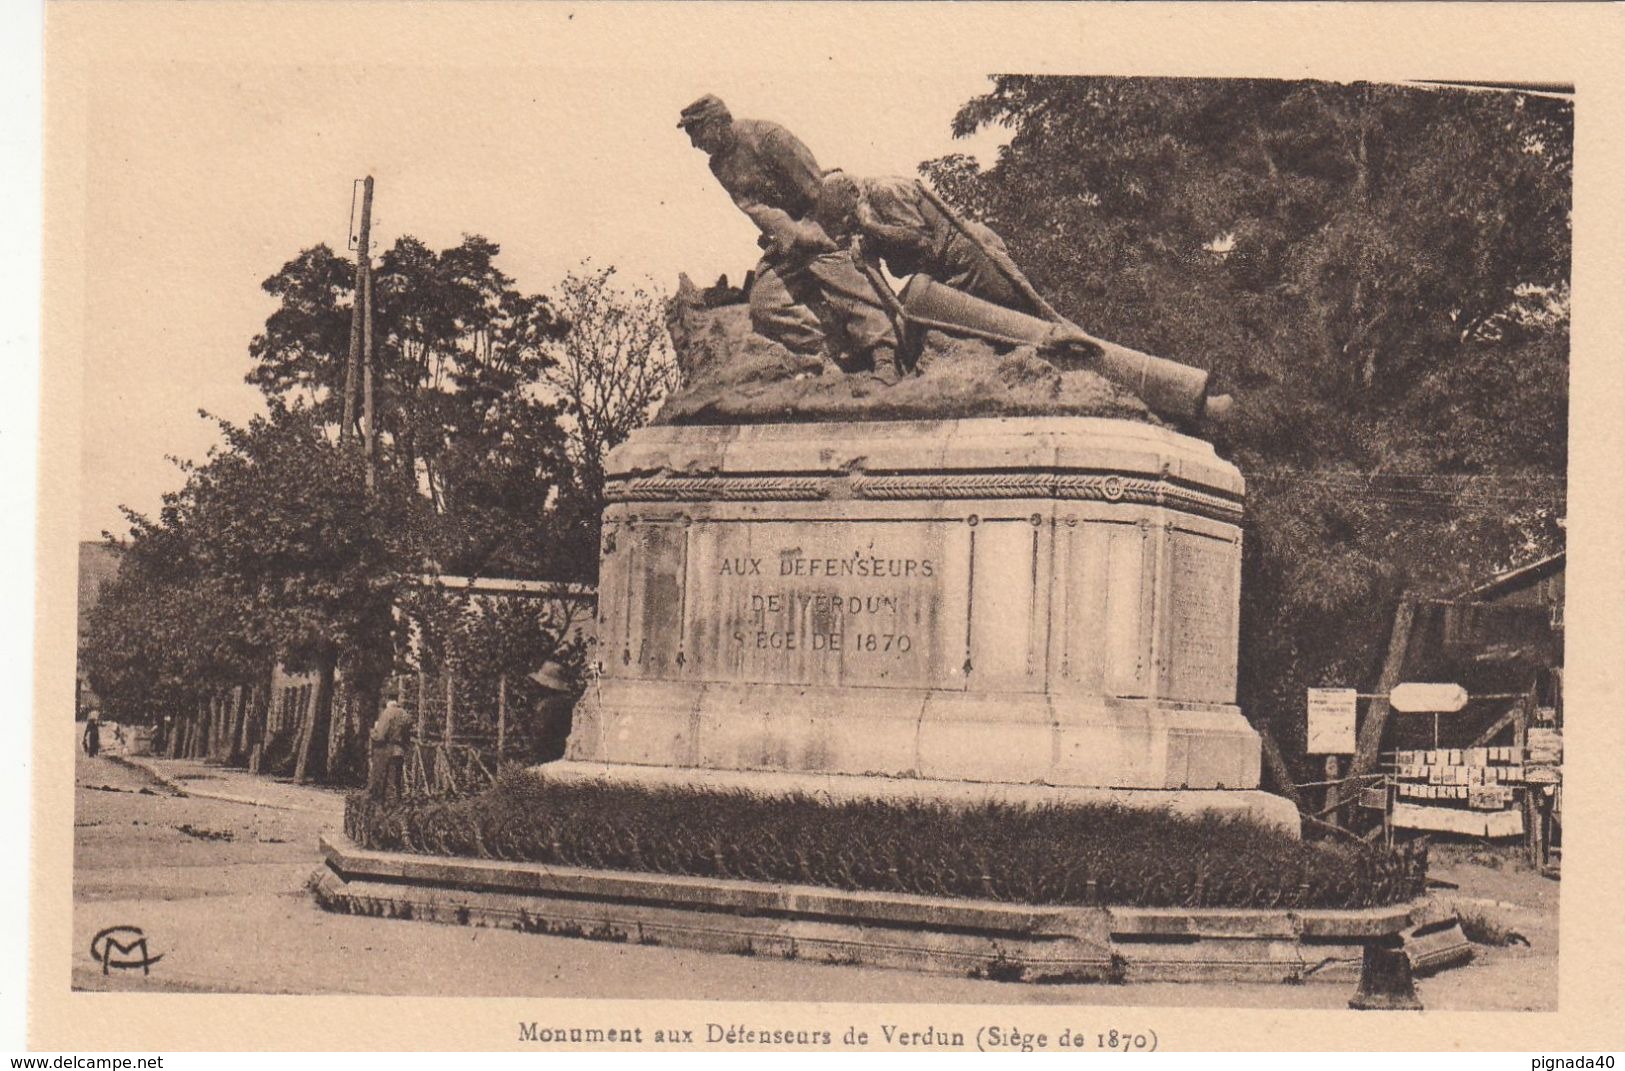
x: 810, y: 295
x: 910, y: 228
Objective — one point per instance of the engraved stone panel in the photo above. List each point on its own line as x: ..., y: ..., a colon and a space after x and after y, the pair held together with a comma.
x: 1098, y: 609
x: 1127, y: 611
x: 1004, y: 598
x: 655, y: 636
x: 809, y: 602
x: 1202, y: 578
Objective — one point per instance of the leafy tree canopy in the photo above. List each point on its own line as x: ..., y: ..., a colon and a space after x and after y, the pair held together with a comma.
x: 459, y: 354
x: 1380, y: 273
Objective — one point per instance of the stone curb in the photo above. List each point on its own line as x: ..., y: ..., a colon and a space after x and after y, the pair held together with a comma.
x: 181, y: 788
x: 922, y: 933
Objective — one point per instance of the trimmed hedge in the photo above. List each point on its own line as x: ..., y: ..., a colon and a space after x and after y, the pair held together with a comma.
x: 1049, y: 854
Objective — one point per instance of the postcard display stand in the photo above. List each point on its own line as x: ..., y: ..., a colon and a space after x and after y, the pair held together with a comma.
x: 1019, y: 608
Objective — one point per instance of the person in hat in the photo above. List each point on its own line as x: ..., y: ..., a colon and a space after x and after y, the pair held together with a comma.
x: 902, y: 224
x: 386, y: 767
x: 553, y: 711
x: 92, y: 739
x: 809, y: 294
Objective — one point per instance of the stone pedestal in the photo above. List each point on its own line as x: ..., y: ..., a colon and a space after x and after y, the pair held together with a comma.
x: 1000, y: 606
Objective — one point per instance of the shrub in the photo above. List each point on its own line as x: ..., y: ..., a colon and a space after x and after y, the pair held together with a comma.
x: 1045, y: 854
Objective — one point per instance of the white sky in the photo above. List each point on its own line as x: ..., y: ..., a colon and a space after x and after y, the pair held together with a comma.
x: 203, y: 179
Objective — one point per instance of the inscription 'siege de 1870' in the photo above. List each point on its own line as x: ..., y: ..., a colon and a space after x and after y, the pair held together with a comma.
x: 853, y: 602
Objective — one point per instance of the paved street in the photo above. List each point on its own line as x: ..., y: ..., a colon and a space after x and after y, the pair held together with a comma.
x: 217, y: 885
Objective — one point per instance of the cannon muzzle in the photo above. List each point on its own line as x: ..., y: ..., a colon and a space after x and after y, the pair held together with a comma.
x: 1168, y: 388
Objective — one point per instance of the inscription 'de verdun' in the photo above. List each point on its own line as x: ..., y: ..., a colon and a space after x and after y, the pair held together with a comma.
x: 853, y: 603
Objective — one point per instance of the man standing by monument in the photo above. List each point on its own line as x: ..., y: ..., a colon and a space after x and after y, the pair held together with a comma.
x: 553, y: 710
x: 809, y: 294
x: 386, y: 770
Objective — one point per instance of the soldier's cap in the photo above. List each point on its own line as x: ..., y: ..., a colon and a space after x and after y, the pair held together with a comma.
x: 705, y: 109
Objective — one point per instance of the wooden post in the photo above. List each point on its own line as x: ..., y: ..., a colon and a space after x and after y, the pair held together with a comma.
x: 423, y: 710
x: 1333, y: 793
x: 1276, y: 763
x: 1376, y: 716
x: 502, y: 715
x: 451, y: 704
x: 1523, y: 714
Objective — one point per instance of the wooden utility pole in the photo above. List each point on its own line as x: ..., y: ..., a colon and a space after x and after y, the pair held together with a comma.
x: 366, y: 356
x: 360, y: 311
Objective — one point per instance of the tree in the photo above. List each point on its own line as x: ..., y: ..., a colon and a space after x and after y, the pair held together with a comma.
x: 162, y: 636
x: 459, y: 354
x: 1381, y: 274
x: 272, y: 551
x: 610, y: 369
x: 281, y: 515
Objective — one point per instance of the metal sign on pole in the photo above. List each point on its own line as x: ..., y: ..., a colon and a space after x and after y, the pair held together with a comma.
x: 1331, y: 721
x: 1427, y: 698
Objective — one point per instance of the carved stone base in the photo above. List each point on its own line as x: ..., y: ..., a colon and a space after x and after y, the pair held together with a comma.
x: 997, y: 601
x: 936, y: 734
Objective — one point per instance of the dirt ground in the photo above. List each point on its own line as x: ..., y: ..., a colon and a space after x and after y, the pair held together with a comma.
x: 1501, y: 893
x: 218, y: 888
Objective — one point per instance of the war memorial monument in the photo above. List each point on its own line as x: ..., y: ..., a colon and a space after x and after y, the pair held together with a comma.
x: 929, y: 544
x: 1012, y: 595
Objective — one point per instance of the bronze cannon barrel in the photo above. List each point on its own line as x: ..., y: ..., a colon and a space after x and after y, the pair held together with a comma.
x: 1168, y: 388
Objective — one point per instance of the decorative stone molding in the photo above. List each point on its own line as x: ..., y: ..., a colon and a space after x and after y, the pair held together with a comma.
x: 929, y: 486
x: 717, y: 488
x: 1103, y: 488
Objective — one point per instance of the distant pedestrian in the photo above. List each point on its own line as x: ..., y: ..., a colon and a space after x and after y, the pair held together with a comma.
x: 386, y: 770
x: 553, y: 711
x: 93, y: 733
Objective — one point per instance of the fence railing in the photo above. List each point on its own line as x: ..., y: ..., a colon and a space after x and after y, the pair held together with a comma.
x: 440, y: 769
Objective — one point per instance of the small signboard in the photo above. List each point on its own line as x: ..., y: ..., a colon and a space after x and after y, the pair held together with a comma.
x: 1331, y: 721
x: 1456, y: 820
x: 1427, y: 698
x: 1545, y: 747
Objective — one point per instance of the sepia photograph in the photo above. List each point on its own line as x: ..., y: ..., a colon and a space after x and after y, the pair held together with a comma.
x: 672, y: 543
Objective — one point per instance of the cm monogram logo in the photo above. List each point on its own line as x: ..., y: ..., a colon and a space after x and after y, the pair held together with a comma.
x: 124, y: 948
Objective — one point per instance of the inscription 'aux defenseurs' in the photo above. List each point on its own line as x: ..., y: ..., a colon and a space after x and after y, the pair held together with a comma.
x: 774, y: 620
x: 858, y: 565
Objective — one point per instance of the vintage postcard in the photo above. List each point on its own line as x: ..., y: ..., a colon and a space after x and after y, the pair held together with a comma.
x: 829, y: 527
